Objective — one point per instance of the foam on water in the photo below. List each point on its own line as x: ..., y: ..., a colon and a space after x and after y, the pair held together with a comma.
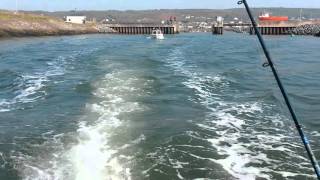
x: 2, y: 160
x: 315, y: 133
x: 235, y: 121
x: 43, y: 165
x: 30, y: 85
x: 29, y: 91
x: 93, y: 156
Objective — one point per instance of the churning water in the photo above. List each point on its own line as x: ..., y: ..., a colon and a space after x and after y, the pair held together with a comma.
x: 194, y: 106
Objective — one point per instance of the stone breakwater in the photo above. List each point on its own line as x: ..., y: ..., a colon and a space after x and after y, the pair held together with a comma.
x: 308, y: 29
x: 21, y: 24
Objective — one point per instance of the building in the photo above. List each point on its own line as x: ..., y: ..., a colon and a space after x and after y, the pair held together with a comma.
x: 76, y: 19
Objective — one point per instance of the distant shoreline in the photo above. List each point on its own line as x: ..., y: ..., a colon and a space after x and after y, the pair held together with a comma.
x: 31, y: 25
x: 27, y: 33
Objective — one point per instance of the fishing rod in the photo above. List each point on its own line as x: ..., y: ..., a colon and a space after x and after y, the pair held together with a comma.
x: 283, y: 91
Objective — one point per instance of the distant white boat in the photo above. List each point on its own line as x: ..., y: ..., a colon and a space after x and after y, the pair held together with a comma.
x: 157, y: 34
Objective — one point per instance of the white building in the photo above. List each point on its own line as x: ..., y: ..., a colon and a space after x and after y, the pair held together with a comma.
x: 76, y: 19
x: 219, y: 19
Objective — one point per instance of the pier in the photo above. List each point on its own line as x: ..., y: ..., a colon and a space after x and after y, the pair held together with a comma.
x: 265, y: 28
x: 277, y: 28
x: 218, y: 27
x: 217, y: 30
x: 137, y: 28
x: 273, y: 30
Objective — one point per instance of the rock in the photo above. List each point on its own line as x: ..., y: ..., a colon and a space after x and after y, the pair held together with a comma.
x: 308, y: 29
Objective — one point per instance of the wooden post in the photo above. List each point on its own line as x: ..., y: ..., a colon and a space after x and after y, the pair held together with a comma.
x: 273, y: 30
x: 162, y: 30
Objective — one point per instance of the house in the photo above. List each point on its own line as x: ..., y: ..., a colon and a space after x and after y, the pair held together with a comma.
x: 76, y: 19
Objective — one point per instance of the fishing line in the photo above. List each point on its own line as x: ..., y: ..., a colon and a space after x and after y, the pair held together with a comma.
x: 269, y: 63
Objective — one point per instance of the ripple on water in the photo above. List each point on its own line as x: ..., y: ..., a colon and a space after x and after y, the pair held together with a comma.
x: 29, y: 87
x: 251, y: 139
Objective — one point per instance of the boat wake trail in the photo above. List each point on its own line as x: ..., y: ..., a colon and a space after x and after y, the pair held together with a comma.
x: 96, y: 152
x: 94, y: 157
x: 250, y: 139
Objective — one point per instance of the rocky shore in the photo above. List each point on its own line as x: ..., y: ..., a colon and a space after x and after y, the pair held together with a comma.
x: 22, y: 24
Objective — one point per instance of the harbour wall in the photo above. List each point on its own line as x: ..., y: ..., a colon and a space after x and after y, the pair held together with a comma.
x: 277, y: 28
x: 137, y: 28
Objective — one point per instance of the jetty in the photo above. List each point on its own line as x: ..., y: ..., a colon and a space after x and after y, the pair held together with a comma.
x: 275, y: 29
x: 284, y: 27
x: 132, y: 29
x: 270, y: 28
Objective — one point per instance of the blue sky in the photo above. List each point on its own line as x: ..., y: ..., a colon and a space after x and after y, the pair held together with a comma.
x: 55, y: 5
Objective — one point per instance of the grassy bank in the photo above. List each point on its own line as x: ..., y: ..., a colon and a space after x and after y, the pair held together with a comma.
x: 22, y: 24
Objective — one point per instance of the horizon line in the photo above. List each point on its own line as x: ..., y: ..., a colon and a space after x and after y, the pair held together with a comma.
x: 23, y: 10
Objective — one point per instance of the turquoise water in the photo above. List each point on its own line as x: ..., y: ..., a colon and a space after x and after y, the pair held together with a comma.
x: 193, y: 106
